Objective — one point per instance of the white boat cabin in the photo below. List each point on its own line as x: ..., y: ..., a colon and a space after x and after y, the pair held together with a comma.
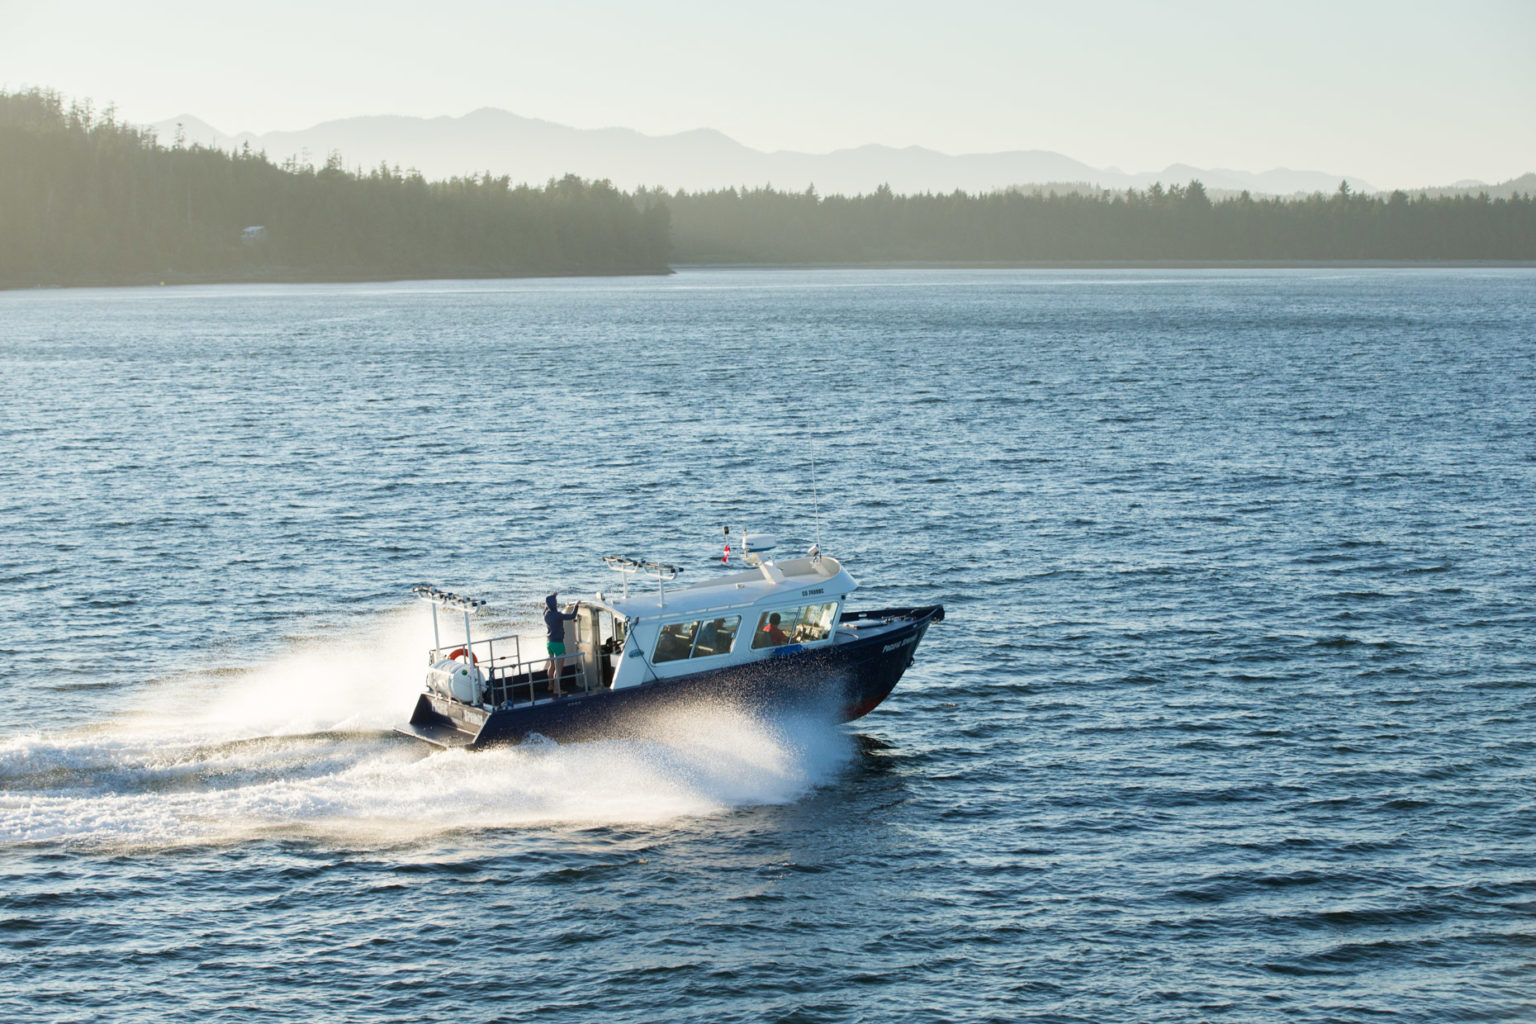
x: 769, y: 610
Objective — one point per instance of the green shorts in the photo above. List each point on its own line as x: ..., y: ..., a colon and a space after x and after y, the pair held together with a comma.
x: 556, y: 648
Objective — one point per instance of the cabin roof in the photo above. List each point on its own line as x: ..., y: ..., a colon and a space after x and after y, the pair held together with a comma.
x: 789, y: 580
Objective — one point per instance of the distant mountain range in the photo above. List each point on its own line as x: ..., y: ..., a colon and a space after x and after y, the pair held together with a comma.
x: 1523, y: 185
x: 531, y: 150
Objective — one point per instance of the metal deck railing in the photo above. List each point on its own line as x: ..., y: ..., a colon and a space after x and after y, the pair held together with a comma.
x: 513, y: 678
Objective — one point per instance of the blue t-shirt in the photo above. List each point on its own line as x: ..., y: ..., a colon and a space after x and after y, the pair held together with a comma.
x: 554, y: 624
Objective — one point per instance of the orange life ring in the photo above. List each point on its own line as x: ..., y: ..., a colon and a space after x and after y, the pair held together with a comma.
x: 460, y: 652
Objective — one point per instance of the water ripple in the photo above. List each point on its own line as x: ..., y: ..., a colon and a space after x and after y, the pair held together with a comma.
x: 1230, y: 718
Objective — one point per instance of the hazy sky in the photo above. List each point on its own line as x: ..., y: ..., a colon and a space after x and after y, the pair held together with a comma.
x: 1398, y: 93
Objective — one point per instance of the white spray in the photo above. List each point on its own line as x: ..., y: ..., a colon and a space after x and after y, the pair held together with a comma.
x: 301, y: 745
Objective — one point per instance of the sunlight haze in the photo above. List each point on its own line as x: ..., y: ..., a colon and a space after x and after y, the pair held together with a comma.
x: 1401, y: 95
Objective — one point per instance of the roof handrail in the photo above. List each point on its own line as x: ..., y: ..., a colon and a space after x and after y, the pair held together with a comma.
x: 658, y: 571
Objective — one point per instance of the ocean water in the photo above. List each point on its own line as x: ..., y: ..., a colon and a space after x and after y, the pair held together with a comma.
x: 1230, y: 719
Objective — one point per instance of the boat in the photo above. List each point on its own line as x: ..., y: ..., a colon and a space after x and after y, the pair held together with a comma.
x: 764, y: 639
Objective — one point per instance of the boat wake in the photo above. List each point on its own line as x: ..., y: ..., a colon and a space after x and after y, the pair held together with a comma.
x: 301, y: 747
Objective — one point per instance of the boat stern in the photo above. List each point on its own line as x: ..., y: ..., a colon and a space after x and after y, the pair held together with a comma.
x: 444, y: 723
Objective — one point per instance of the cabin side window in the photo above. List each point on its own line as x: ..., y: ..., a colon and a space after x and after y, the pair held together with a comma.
x: 703, y: 639
x: 770, y: 629
x: 806, y: 624
x: 814, y: 622
x: 675, y: 641
x: 716, y: 636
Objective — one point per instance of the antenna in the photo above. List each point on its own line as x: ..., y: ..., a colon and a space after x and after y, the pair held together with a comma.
x: 815, y: 501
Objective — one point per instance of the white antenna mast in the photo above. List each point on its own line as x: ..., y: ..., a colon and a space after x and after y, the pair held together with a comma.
x: 815, y: 502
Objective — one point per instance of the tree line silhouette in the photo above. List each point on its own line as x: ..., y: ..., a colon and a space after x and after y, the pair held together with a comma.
x: 88, y: 199
x: 1179, y: 223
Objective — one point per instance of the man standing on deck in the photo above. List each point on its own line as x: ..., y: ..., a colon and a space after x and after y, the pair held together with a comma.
x: 554, y: 626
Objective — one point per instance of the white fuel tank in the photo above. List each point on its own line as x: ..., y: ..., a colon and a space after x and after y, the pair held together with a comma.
x: 457, y: 680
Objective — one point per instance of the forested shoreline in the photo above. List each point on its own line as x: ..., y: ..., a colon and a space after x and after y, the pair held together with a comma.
x: 1179, y: 224
x: 87, y: 199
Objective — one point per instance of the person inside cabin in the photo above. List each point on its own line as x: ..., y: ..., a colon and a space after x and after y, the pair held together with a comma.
x: 711, y: 635
x: 554, y: 627
x: 776, y: 636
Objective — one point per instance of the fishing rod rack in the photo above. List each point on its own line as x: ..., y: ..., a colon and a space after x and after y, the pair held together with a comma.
x: 452, y: 602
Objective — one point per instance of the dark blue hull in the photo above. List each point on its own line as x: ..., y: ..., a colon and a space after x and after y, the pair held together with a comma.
x: 847, y: 681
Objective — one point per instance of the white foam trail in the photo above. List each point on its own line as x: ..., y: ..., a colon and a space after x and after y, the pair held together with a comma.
x: 296, y: 746
x: 363, y: 681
